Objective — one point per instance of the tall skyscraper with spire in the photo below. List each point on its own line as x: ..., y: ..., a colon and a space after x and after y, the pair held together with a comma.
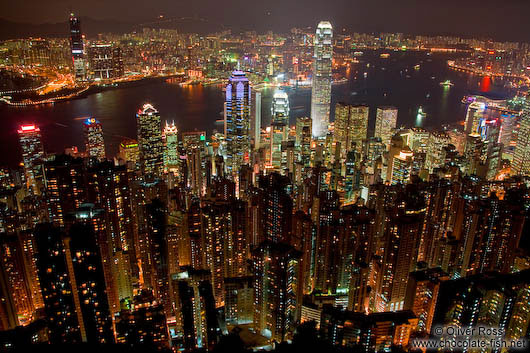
x: 77, y: 48
x: 321, y: 93
x: 237, y: 121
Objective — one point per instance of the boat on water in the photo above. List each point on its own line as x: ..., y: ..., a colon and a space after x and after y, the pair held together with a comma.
x: 447, y: 83
x: 384, y: 55
x: 468, y: 99
x: 421, y: 114
x: 340, y: 81
x: 417, y: 67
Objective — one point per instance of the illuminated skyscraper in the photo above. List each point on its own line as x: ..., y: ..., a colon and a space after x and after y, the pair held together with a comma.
x: 32, y: 153
x: 303, y: 139
x: 225, y: 254
x: 65, y: 180
x: 276, y: 208
x: 78, y: 49
x: 351, y: 124
x: 321, y: 93
x: 474, y: 114
x: 150, y: 140
x: 237, y: 122
x: 95, y: 145
x: 402, y: 167
x: 329, y: 245
x: 59, y: 302
x: 110, y: 190
x: 278, y: 135
x: 280, y: 107
x: 8, y: 310
x: 385, y: 123
x: 171, y: 153
x: 73, y: 284
x: 239, y: 300
x: 276, y: 297
x: 256, y: 123
x: 194, y: 144
x: 199, y: 318
x: 521, y: 158
x: 144, y: 323
x: 491, y: 299
x: 105, y: 61
x: 14, y: 290
x: 401, y: 235
x: 422, y: 293
x: 279, y: 127
x: 129, y: 153
x: 473, y: 153
x: 519, y: 319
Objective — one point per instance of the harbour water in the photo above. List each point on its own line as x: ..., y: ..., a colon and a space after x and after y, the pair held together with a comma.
x: 374, y: 81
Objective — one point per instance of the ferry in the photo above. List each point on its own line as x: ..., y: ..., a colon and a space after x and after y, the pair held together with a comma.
x: 421, y: 114
x: 384, y: 56
x: 446, y: 83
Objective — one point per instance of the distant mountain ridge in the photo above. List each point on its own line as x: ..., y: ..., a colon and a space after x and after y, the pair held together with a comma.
x: 92, y: 27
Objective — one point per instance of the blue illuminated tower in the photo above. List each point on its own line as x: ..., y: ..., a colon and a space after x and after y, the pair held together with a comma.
x: 237, y: 121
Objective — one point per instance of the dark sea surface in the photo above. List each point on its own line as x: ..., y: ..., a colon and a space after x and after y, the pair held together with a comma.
x: 391, y: 81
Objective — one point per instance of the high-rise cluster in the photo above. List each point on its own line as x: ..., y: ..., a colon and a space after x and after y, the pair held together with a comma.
x: 376, y: 237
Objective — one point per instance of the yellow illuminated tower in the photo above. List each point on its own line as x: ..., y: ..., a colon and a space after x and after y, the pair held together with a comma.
x: 276, y: 299
x: 351, y: 124
x: 521, y: 158
x: 385, y: 123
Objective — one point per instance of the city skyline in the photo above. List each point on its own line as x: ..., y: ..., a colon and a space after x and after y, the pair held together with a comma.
x: 410, y: 16
x: 237, y: 192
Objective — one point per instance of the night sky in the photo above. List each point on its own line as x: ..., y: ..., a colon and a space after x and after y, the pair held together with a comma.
x: 499, y: 19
